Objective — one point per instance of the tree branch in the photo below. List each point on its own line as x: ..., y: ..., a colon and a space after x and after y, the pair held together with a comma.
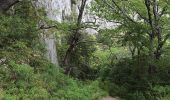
x: 6, y: 4
x: 143, y: 17
x: 163, y: 11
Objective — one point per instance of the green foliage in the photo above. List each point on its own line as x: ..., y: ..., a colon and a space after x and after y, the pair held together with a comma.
x: 81, y: 58
x: 133, y: 23
x: 25, y: 74
x: 141, y: 75
x: 119, y: 57
x: 130, y: 79
x: 19, y: 81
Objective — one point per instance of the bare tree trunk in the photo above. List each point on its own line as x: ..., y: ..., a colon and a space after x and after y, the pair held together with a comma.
x: 152, y: 33
x: 157, y: 29
x: 76, y: 35
x: 152, y: 23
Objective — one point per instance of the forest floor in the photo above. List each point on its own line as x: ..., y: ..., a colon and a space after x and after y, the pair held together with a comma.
x: 109, y: 98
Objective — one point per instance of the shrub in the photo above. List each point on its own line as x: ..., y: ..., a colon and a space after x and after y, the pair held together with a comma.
x: 131, y: 79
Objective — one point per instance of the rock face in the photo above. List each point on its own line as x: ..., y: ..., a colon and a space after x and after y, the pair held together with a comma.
x: 58, y: 10
x: 50, y: 42
x: 55, y: 9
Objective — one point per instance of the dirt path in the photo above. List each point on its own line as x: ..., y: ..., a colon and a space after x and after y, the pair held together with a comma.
x: 109, y: 98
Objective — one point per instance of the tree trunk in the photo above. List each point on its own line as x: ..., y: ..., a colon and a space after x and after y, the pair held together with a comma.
x: 76, y: 35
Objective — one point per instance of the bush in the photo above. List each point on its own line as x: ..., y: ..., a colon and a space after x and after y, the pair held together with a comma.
x: 131, y: 79
x: 20, y: 81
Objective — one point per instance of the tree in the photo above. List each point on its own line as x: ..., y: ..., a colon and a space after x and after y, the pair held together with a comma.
x: 143, y: 19
x: 75, y: 38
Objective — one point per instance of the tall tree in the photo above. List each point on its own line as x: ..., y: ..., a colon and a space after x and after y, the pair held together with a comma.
x: 139, y: 20
x: 75, y: 37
